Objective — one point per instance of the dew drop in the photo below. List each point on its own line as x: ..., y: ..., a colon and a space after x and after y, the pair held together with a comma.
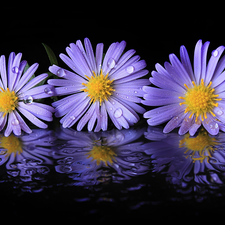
x: 111, y: 63
x: 111, y: 108
x: 213, y: 125
x: 48, y: 91
x: 15, y: 122
x: 15, y: 69
x: 72, y: 117
x: 28, y: 99
x: 118, y: 113
x: 61, y: 73
x: 130, y: 69
x: 215, y: 53
x: 219, y: 112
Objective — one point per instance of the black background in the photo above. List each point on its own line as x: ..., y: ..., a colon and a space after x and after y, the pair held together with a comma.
x: 154, y: 31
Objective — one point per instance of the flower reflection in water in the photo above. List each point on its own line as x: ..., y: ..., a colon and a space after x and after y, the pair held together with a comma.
x: 187, y: 161
x: 91, y: 158
x: 26, y: 158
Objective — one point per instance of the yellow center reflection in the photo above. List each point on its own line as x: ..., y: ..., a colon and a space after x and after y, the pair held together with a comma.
x: 102, y: 153
x: 200, y: 147
x: 12, y: 144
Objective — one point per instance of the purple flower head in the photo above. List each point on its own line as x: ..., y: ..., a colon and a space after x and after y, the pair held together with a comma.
x: 18, y: 94
x: 99, y: 86
x: 189, y: 98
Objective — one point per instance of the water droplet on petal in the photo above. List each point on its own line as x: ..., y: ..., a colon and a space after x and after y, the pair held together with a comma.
x: 28, y: 99
x: 61, y: 73
x: 219, y: 112
x: 130, y: 69
x: 48, y: 90
x: 118, y: 113
x: 15, y: 122
x: 215, y: 53
x: 15, y: 69
x: 72, y: 117
x: 111, y: 63
x: 213, y: 125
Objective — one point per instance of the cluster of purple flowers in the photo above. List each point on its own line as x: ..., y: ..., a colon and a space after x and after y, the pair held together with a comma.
x: 112, y: 86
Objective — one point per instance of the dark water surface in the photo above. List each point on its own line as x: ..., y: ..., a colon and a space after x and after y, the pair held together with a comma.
x: 131, y: 175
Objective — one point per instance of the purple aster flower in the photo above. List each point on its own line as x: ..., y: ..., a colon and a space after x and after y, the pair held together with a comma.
x: 189, y: 98
x: 17, y: 95
x: 99, y: 86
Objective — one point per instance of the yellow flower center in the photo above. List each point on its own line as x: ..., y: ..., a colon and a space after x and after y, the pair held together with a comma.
x: 12, y: 144
x: 200, y: 100
x: 102, y: 153
x: 99, y: 88
x: 8, y: 101
x: 201, y: 146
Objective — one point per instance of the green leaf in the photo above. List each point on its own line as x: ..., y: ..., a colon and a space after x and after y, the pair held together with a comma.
x: 51, y: 54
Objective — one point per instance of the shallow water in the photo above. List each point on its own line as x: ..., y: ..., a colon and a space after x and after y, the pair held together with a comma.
x: 128, y: 175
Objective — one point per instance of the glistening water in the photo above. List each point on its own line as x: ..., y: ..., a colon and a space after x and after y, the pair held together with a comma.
x: 134, y: 175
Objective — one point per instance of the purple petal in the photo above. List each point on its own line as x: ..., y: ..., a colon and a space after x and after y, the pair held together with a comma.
x: 179, y: 71
x: 22, y: 123
x: 211, y: 125
x: 16, y: 127
x: 37, y: 110
x: 174, y: 122
x: 125, y: 61
x: 64, y: 105
x: 15, y: 70
x: 186, y: 124
x: 43, y: 91
x: 33, y: 82
x: 166, y: 83
x: 32, y: 118
x: 212, y: 63
x: 75, y: 113
x: 124, y: 72
x: 108, y: 56
x: 99, y: 54
x: 26, y: 76
x: 90, y: 55
x: 76, y: 55
x: 87, y: 116
x: 102, y: 122
x: 197, y: 61
x: 132, y: 77
x: 3, y: 71
x: 3, y: 120
x: 186, y: 61
x: 163, y: 114
x: 153, y: 101
x: 194, y: 127
x: 204, y: 59
x: 8, y: 129
x: 219, y: 68
x: 9, y: 72
x: 94, y: 116
x: 67, y: 74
